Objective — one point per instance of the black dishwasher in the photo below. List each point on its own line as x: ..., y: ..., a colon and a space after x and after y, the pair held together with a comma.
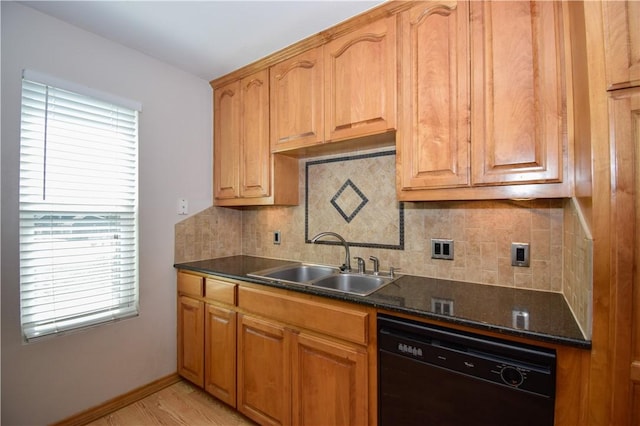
x: 430, y: 375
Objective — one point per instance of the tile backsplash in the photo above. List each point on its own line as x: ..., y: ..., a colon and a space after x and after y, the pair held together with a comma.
x: 482, y: 232
x: 359, y: 206
x: 578, y: 267
x: 214, y: 232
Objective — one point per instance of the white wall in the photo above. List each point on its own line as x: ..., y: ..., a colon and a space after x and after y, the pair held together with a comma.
x: 50, y: 380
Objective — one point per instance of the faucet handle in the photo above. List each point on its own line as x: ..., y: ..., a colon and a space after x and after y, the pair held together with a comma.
x: 361, y: 267
x: 376, y: 265
x: 392, y: 271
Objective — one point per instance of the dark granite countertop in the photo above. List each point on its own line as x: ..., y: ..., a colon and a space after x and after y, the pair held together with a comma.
x: 480, y: 306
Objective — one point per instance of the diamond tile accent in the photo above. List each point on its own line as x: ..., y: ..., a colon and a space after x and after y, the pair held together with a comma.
x: 351, y: 200
x: 379, y: 224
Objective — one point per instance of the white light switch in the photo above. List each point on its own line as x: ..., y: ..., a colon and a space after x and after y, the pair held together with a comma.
x: 183, y: 206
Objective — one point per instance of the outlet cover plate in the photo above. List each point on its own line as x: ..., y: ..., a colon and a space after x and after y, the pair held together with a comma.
x: 441, y: 249
x: 520, y: 254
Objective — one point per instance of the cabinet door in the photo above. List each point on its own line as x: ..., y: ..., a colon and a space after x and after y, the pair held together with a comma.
x: 297, y: 115
x: 330, y: 385
x: 226, y: 141
x: 622, y: 42
x: 360, y: 81
x: 517, y: 106
x: 255, y: 162
x: 191, y: 339
x: 220, y: 353
x: 433, y: 144
x: 264, y: 388
x: 624, y: 113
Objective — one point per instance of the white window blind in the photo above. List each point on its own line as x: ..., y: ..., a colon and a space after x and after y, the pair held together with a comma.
x: 78, y: 210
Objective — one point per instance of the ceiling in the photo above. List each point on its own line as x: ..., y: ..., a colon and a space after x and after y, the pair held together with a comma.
x: 205, y: 38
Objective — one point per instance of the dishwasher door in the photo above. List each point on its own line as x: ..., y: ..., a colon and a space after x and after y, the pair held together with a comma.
x: 436, y: 376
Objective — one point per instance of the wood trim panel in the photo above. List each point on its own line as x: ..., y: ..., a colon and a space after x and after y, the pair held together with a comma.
x: 579, y: 115
x: 285, y: 180
x: 190, y: 284
x: 510, y: 191
x: 340, y: 322
x: 220, y: 291
x: 599, y: 404
x: 119, y: 402
x: 635, y: 372
x: 624, y: 116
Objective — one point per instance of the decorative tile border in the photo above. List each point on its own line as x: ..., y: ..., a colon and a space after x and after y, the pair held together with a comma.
x: 355, y: 197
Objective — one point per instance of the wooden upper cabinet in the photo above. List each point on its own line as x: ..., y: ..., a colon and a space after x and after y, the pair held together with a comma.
x: 360, y: 81
x: 517, y: 103
x: 297, y: 114
x: 244, y: 170
x: 433, y: 107
x: 255, y: 167
x: 227, y: 136
x: 622, y: 43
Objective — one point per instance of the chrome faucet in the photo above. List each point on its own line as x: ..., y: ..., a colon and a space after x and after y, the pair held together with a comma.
x: 376, y: 265
x: 361, y: 268
x: 347, y: 258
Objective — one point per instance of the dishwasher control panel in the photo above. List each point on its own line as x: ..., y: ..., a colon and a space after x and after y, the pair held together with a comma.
x: 522, y: 367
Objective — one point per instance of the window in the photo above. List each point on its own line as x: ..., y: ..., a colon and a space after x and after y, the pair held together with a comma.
x: 78, y: 207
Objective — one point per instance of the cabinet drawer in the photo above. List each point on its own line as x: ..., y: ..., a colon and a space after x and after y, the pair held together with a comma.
x: 332, y: 320
x: 220, y: 291
x: 189, y: 284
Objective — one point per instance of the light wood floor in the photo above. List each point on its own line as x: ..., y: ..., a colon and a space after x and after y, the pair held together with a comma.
x: 178, y: 404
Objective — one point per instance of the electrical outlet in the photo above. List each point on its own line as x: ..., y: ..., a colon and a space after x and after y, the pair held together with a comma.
x: 441, y: 249
x: 276, y: 237
x: 442, y: 306
x: 183, y: 206
x: 520, y: 319
x: 520, y: 254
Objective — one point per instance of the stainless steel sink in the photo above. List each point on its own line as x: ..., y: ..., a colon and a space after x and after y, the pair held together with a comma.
x: 324, y: 277
x: 299, y: 273
x: 353, y: 283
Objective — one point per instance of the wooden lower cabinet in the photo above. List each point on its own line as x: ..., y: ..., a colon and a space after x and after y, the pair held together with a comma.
x: 207, y: 334
x: 329, y: 382
x: 191, y: 339
x: 282, y: 358
x: 264, y: 371
x: 220, y: 353
x: 302, y: 360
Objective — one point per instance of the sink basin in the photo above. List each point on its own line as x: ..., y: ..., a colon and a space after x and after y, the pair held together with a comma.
x: 324, y: 277
x: 353, y: 283
x: 298, y: 274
